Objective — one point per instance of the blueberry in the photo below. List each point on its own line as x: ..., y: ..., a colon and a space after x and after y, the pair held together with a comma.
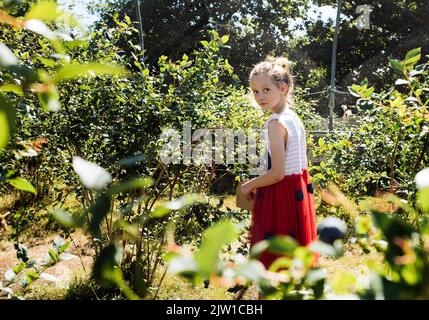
x: 331, y: 229
x: 268, y: 236
x: 187, y: 216
x: 300, y: 195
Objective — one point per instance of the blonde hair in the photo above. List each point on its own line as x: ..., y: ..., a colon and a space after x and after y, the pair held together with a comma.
x: 280, y: 70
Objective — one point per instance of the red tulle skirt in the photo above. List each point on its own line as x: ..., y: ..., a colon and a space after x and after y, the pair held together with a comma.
x: 284, y: 208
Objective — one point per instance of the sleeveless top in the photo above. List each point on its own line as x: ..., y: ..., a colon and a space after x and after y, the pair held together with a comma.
x: 296, y: 148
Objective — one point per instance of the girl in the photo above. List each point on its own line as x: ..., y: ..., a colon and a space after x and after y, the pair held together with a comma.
x: 283, y: 195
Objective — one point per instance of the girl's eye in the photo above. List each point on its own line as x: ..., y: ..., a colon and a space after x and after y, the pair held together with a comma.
x: 266, y: 90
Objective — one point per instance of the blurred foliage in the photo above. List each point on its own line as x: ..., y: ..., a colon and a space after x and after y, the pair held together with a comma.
x: 293, y: 275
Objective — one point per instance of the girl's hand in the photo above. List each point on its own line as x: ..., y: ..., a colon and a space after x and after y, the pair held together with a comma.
x: 249, y: 189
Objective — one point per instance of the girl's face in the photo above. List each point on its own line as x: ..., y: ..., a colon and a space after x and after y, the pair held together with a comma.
x: 267, y: 93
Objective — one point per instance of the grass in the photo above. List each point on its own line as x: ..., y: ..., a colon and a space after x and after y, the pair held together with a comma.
x: 177, y: 288
x: 43, y: 292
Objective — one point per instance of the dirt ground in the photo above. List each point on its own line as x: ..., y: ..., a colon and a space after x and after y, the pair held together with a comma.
x: 64, y: 271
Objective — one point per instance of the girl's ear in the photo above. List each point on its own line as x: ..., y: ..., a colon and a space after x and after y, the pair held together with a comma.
x: 284, y: 88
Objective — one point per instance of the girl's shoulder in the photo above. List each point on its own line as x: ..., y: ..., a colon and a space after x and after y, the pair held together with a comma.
x: 291, y: 121
x: 290, y: 116
x: 282, y: 116
x: 272, y: 117
x: 288, y: 119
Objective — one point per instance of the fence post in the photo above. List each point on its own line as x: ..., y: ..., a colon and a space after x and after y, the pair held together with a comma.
x: 333, y: 69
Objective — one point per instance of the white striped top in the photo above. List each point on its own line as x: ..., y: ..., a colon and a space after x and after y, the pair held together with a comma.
x: 296, y: 148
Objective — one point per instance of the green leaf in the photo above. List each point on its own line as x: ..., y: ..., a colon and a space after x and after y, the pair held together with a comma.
x: 392, y: 226
x: 34, y: 275
x: 397, y: 66
x: 22, y: 184
x: 107, y: 271
x: 214, y: 239
x: 397, y: 102
x: 14, y: 88
x: 17, y: 269
x: 24, y: 71
x: 282, y: 245
x: 7, y: 120
x: 326, y: 249
x: 410, y: 274
x: 316, y: 279
x: 423, y: 199
x: 47, y: 62
x: 91, y: 175
x: 59, y: 245
x: 50, y: 99
x: 49, y: 11
x: 412, y: 56
x: 134, y: 184
x: 251, y: 270
x: 355, y: 90
x: 225, y: 38
x: 393, y: 229
x: 363, y: 224
x: 343, y: 282
x: 316, y: 275
x: 182, y: 265
x: 53, y: 255
x: 39, y: 27
x: 401, y: 82
x: 367, y: 93
x: 71, y: 45
x: 177, y: 204
x: 412, y: 61
x: 67, y: 220
x: 99, y: 210
x: 204, y: 43
x: 74, y: 71
x: 31, y: 277
x: 129, y: 231
x: 413, y: 53
x: 258, y: 248
x: 63, y: 247
x: 280, y: 263
x: 145, y: 72
x: 7, y: 58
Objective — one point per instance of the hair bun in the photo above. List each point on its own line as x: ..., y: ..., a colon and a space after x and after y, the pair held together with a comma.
x: 280, y: 61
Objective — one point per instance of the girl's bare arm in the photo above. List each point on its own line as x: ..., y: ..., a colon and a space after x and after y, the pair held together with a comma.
x: 277, y: 135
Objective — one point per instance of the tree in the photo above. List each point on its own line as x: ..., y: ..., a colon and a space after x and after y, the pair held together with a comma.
x: 258, y: 28
x: 173, y: 28
x: 395, y: 28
